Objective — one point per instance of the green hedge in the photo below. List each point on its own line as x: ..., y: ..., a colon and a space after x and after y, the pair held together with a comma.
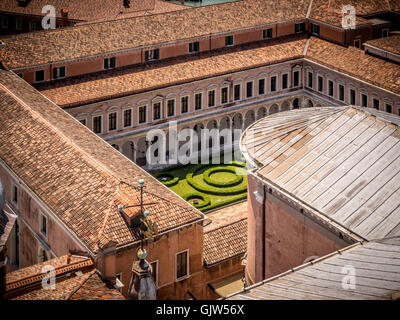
x: 169, y: 183
x: 194, y: 195
x: 206, y: 177
x: 214, y: 190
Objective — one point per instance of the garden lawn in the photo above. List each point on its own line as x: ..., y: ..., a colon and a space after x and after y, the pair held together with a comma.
x: 212, y: 193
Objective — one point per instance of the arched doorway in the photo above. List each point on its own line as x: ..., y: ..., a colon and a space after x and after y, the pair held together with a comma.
x: 128, y: 150
x: 141, y: 151
x: 249, y: 118
x: 285, y: 106
x: 296, y: 103
x: 274, y: 109
x: 261, y: 113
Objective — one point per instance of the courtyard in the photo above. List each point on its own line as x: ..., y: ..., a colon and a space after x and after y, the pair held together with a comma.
x: 207, y: 186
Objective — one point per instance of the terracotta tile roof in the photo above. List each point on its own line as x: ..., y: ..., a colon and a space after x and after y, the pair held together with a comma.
x: 73, y: 171
x: 377, y: 267
x: 389, y: 44
x: 340, y: 162
x: 119, y: 83
x: 350, y: 61
x: 91, y: 10
x: 87, y: 40
x: 356, y: 63
x: 78, y: 280
x: 225, y: 242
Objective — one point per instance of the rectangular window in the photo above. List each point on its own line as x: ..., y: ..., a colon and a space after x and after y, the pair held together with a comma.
x: 156, y: 111
x: 109, y: 63
x: 127, y: 118
x: 182, y: 265
x: 150, y: 55
x: 197, y: 101
x: 142, y: 114
x: 211, y: 98
x: 273, y: 84
x: 83, y: 121
x: 330, y: 88
x: 15, y: 194
x: 352, y: 97
x: 18, y: 24
x: 236, y: 92
x: 341, y: 92
x: 228, y: 41
x: 285, y: 79
x: 170, y: 108
x: 39, y: 76
x: 249, y: 89
x: 376, y: 104
x: 315, y: 29
x: 4, y: 22
x: 43, y: 225
x: 59, y: 72
x: 112, y: 121
x: 364, y: 100
x: 97, y: 127
x: 154, y: 272
x: 296, y: 78
x: 300, y: 27
x: 224, y: 95
x: 310, y: 79
x: 389, y: 108
x: 261, y: 87
x: 267, y: 33
x: 194, y: 47
x: 320, y: 84
x: 184, y: 104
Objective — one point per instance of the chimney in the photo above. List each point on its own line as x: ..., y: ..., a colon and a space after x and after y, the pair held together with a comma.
x: 69, y: 257
x: 64, y: 17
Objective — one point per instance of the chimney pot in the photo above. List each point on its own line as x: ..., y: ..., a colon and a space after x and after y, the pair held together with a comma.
x: 69, y: 258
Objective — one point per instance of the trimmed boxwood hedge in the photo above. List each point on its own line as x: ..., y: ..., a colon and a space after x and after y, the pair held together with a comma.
x: 223, y: 191
x: 195, y: 195
x: 169, y: 183
x: 206, y: 177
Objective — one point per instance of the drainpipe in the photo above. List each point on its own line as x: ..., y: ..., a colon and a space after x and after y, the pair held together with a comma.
x: 263, y: 233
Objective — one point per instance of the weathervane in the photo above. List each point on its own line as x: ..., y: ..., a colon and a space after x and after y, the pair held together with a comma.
x: 139, y: 225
